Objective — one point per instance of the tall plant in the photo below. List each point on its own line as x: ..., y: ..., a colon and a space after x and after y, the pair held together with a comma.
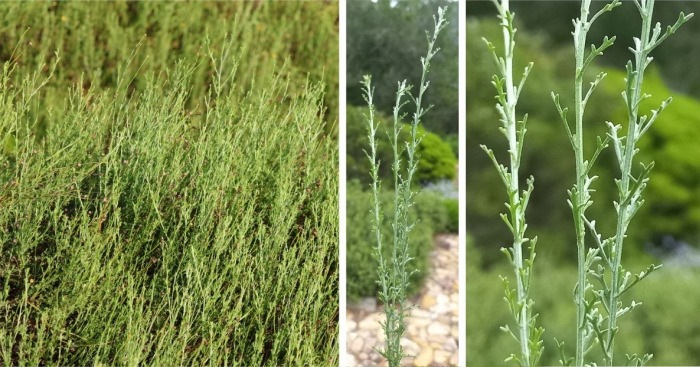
x: 527, y: 333
x: 393, y: 274
x: 598, y: 309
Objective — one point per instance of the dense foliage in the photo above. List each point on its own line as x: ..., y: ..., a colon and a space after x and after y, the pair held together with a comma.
x: 94, y: 40
x: 361, y: 263
x: 168, y: 207
x: 452, y: 209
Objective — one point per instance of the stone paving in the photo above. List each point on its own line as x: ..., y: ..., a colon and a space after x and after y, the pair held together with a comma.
x: 431, y: 331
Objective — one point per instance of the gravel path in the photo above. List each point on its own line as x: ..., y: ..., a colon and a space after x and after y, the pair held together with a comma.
x: 432, y: 329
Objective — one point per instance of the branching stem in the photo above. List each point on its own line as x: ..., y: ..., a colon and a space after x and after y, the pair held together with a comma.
x: 393, y: 273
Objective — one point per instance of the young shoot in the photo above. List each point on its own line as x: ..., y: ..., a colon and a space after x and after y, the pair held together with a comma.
x: 527, y: 334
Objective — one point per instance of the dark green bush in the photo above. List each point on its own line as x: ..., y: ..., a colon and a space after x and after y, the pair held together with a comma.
x: 429, y: 209
x: 361, y: 264
x: 453, y: 140
x: 437, y: 161
x: 452, y: 211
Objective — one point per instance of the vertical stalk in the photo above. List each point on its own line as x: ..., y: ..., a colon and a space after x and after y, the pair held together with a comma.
x: 511, y: 100
x: 579, y: 195
x: 623, y: 215
x: 630, y: 188
x: 528, y: 335
x: 579, y: 201
x: 590, y: 322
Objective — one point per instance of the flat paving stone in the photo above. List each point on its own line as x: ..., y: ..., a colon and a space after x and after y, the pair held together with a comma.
x: 431, y: 332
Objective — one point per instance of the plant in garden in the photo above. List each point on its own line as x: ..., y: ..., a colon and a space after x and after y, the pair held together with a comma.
x: 592, y: 325
x: 528, y: 335
x: 393, y: 275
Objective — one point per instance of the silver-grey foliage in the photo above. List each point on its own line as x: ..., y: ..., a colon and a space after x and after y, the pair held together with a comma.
x: 393, y: 276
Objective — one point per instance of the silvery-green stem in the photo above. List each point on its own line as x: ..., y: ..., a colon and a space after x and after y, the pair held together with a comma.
x: 592, y: 326
x: 579, y: 195
x: 528, y: 335
x: 630, y: 187
x: 580, y: 201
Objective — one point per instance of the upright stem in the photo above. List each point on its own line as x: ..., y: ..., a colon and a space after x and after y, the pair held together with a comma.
x: 511, y: 128
x: 528, y: 335
x: 623, y: 217
x: 579, y: 204
x: 393, y: 274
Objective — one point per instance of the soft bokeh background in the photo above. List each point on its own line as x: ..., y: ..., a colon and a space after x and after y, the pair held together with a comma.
x: 666, y: 229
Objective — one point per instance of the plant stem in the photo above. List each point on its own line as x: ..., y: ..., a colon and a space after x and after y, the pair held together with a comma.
x: 528, y: 335
x: 511, y: 128
x: 590, y: 322
x: 579, y: 195
x: 623, y: 212
x: 579, y: 201
x: 630, y: 188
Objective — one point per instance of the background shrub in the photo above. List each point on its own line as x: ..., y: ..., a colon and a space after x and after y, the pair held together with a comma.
x: 452, y: 211
x: 361, y: 264
x: 437, y: 160
x: 429, y: 208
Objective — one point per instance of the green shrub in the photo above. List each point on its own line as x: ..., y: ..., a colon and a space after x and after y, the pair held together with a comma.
x: 437, y: 160
x: 452, y: 209
x: 453, y: 141
x: 138, y: 231
x: 429, y: 209
x: 360, y: 262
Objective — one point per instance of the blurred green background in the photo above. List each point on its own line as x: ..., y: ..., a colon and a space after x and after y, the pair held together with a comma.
x: 667, y: 228
x: 387, y: 39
